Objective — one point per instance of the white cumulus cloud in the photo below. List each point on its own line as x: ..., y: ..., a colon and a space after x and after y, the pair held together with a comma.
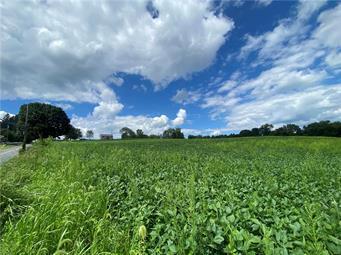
x: 180, y: 117
x: 328, y: 30
x: 60, y: 50
x: 313, y: 104
x: 299, y: 80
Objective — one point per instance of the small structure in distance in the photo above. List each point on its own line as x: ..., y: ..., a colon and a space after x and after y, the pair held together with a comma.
x: 106, y: 136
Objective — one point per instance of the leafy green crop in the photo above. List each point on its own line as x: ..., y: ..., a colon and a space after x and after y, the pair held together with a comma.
x: 235, y: 196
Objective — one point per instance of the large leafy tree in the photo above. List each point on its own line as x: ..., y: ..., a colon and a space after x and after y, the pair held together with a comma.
x: 73, y: 133
x: 173, y: 133
x: 127, y: 133
x: 44, y: 120
x: 265, y: 129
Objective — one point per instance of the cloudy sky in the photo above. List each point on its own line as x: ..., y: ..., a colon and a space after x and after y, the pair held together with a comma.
x: 207, y: 67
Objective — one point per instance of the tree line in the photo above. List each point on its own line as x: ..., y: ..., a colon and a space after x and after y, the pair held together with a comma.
x: 170, y: 133
x: 321, y: 128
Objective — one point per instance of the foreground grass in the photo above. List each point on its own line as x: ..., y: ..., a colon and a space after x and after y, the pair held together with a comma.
x: 235, y: 196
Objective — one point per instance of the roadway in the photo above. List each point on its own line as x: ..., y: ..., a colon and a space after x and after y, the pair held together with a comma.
x: 9, y: 153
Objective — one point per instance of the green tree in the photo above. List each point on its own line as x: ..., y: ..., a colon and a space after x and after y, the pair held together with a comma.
x: 168, y: 133
x: 140, y: 134
x: 323, y: 128
x: 44, y: 120
x: 127, y: 133
x: 179, y: 134
x: 280, y: 131
x: 289, y: 129
x: 245, y: 132
x: 173, y: 133
x: 89, y: 134
x: 255, y: 132
x: 8, y: 129
x: 73, y: 133
x: 293, y: 129
x: 265, y: 129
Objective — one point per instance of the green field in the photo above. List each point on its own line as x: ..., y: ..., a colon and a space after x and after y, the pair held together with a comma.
x: 234, y: 196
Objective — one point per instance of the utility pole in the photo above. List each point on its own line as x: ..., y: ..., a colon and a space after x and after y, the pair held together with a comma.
x: 25, y: 130
x: 7, y: 131
x: 0, y: 130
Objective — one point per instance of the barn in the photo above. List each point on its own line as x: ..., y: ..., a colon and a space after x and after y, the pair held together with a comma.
x: 106, y: 136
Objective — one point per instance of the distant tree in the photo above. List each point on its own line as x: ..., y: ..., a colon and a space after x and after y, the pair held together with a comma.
x: 73, y: 133
x: 9, y: 130
x: 265, y: 129
x: 255, y: 132
x: 89, y: 134
x: 195, y: 136
x: 174, y: 133
x: 140, y: 134
x: 293, y: 129
x: 168, y: 133
x: 280, y: 131
x: 316, y: 128
x: 127, y: 133
x: 179, y: 134
x: 245, y: 132
x: 323, y: 128
x: 335, y: 129
x: 44, y: 120
x: 289, y: 129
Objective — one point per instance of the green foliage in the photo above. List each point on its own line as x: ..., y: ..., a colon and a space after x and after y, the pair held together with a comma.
x: 290, y: 129
x: 140, y: 134
x: 323, y: 128
x: 127, y: 133
x: 73, y: 133
x: 265, y: 129
x: 174, y: 133
x: 9, y: 131
x: 89, y: 134
x: 44, y: 120
x: 235, y: 196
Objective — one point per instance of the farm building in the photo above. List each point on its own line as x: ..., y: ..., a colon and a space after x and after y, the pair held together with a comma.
x: 106, y: 136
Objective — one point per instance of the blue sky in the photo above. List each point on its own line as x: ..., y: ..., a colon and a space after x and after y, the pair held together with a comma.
x: 207, y: 67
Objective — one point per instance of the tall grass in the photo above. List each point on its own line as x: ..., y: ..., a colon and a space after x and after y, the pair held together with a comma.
x: 236, y: 196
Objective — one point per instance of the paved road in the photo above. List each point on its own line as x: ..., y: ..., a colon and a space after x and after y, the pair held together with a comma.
x: 10, y: 153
